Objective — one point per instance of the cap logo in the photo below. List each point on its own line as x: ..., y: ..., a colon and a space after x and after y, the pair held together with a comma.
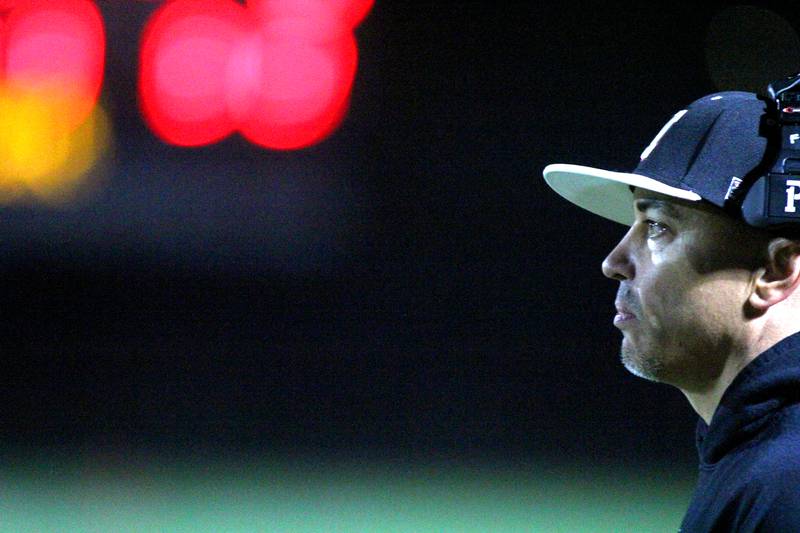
x: 735, y: 182
x: 791, y: 196
x: 664, y: 130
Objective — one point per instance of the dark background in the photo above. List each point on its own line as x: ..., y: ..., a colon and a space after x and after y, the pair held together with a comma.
x: 408, y: 287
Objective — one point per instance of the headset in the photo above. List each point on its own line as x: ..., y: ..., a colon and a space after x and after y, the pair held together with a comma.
x: 770, y: 193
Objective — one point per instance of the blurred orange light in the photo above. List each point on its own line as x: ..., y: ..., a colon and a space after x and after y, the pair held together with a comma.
x: 51, y: 129
x: 39, y: 154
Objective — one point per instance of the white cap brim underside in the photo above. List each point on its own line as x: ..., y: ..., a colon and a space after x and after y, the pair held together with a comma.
x: 604, y: 192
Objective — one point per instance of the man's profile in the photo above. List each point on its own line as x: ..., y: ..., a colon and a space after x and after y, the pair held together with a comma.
x: 710, y: 304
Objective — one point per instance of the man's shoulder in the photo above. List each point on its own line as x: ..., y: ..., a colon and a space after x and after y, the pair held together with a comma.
x: 778, y: 449
x: 770, y: 501
x: 774, y: 459
x: 772, y: 478
x: 753, y: 498
x: 769, y: 494
x: 755, y: 488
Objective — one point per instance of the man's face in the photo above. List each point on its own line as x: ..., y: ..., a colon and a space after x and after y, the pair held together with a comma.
x: 685, y: 272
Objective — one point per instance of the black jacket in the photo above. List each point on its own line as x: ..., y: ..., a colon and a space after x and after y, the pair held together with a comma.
x: 750, y: 453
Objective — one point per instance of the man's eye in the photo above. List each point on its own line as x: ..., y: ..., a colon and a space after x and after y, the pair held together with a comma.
x: 654, y: 229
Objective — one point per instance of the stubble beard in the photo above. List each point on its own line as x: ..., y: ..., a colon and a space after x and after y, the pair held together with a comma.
x: 642, y: 365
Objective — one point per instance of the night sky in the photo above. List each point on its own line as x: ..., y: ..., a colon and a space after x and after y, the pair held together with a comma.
x: 410, y: 286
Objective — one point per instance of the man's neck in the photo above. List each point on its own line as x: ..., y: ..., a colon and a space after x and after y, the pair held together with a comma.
x: 705, y: 399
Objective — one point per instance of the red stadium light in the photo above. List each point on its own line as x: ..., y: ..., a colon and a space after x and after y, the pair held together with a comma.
x: 278, y: 71
x: 57, y: 50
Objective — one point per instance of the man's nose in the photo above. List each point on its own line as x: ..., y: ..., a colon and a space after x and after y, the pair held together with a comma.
x: 617, y: 264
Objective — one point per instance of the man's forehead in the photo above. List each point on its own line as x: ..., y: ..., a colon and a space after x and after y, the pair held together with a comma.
x: 702, y: 213
x: 645, y: 199
x: 638, y: 192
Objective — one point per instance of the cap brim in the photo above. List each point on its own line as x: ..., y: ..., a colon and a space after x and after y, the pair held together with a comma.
x: 604, y: 192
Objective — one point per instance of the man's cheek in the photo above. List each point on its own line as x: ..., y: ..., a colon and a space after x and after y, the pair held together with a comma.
x: 662, y: 302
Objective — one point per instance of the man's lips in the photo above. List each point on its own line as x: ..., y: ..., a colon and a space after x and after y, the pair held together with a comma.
x: 624, y: 315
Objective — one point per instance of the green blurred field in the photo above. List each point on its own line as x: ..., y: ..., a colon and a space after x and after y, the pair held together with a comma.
x: 120, y: 495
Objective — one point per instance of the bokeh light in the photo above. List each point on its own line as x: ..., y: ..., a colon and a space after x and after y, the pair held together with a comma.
x: 41, y: 158
x: 280, y: 73
x: 748, y: 47
x: 52, y: 131
x: 325, y: 19
x: 185, y: 53
x: 56, y: 48
x: 304, y: 92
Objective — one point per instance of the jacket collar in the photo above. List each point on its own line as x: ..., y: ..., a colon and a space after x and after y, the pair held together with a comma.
x: 761, y: 389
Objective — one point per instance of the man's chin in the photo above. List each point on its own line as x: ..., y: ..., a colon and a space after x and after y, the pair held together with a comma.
x: 639, y: 363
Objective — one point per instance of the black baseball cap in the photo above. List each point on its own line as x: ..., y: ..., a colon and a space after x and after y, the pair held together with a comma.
x: 702, y: 153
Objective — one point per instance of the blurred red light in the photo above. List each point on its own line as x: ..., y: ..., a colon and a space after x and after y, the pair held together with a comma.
x: 354, y: 11
x: 304, y: 93
x: 184, y: 57
x: 56, y: 48
x: 278, y: 71
x: 349, y: 13
x: 308, y: 20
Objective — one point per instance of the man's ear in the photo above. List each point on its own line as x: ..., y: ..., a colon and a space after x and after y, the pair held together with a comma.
x: 780, y: 275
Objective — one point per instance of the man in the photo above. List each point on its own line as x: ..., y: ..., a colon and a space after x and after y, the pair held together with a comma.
x: 710, y: 304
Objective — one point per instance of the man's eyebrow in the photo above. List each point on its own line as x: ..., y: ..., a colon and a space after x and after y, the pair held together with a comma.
x: 645, y: 204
